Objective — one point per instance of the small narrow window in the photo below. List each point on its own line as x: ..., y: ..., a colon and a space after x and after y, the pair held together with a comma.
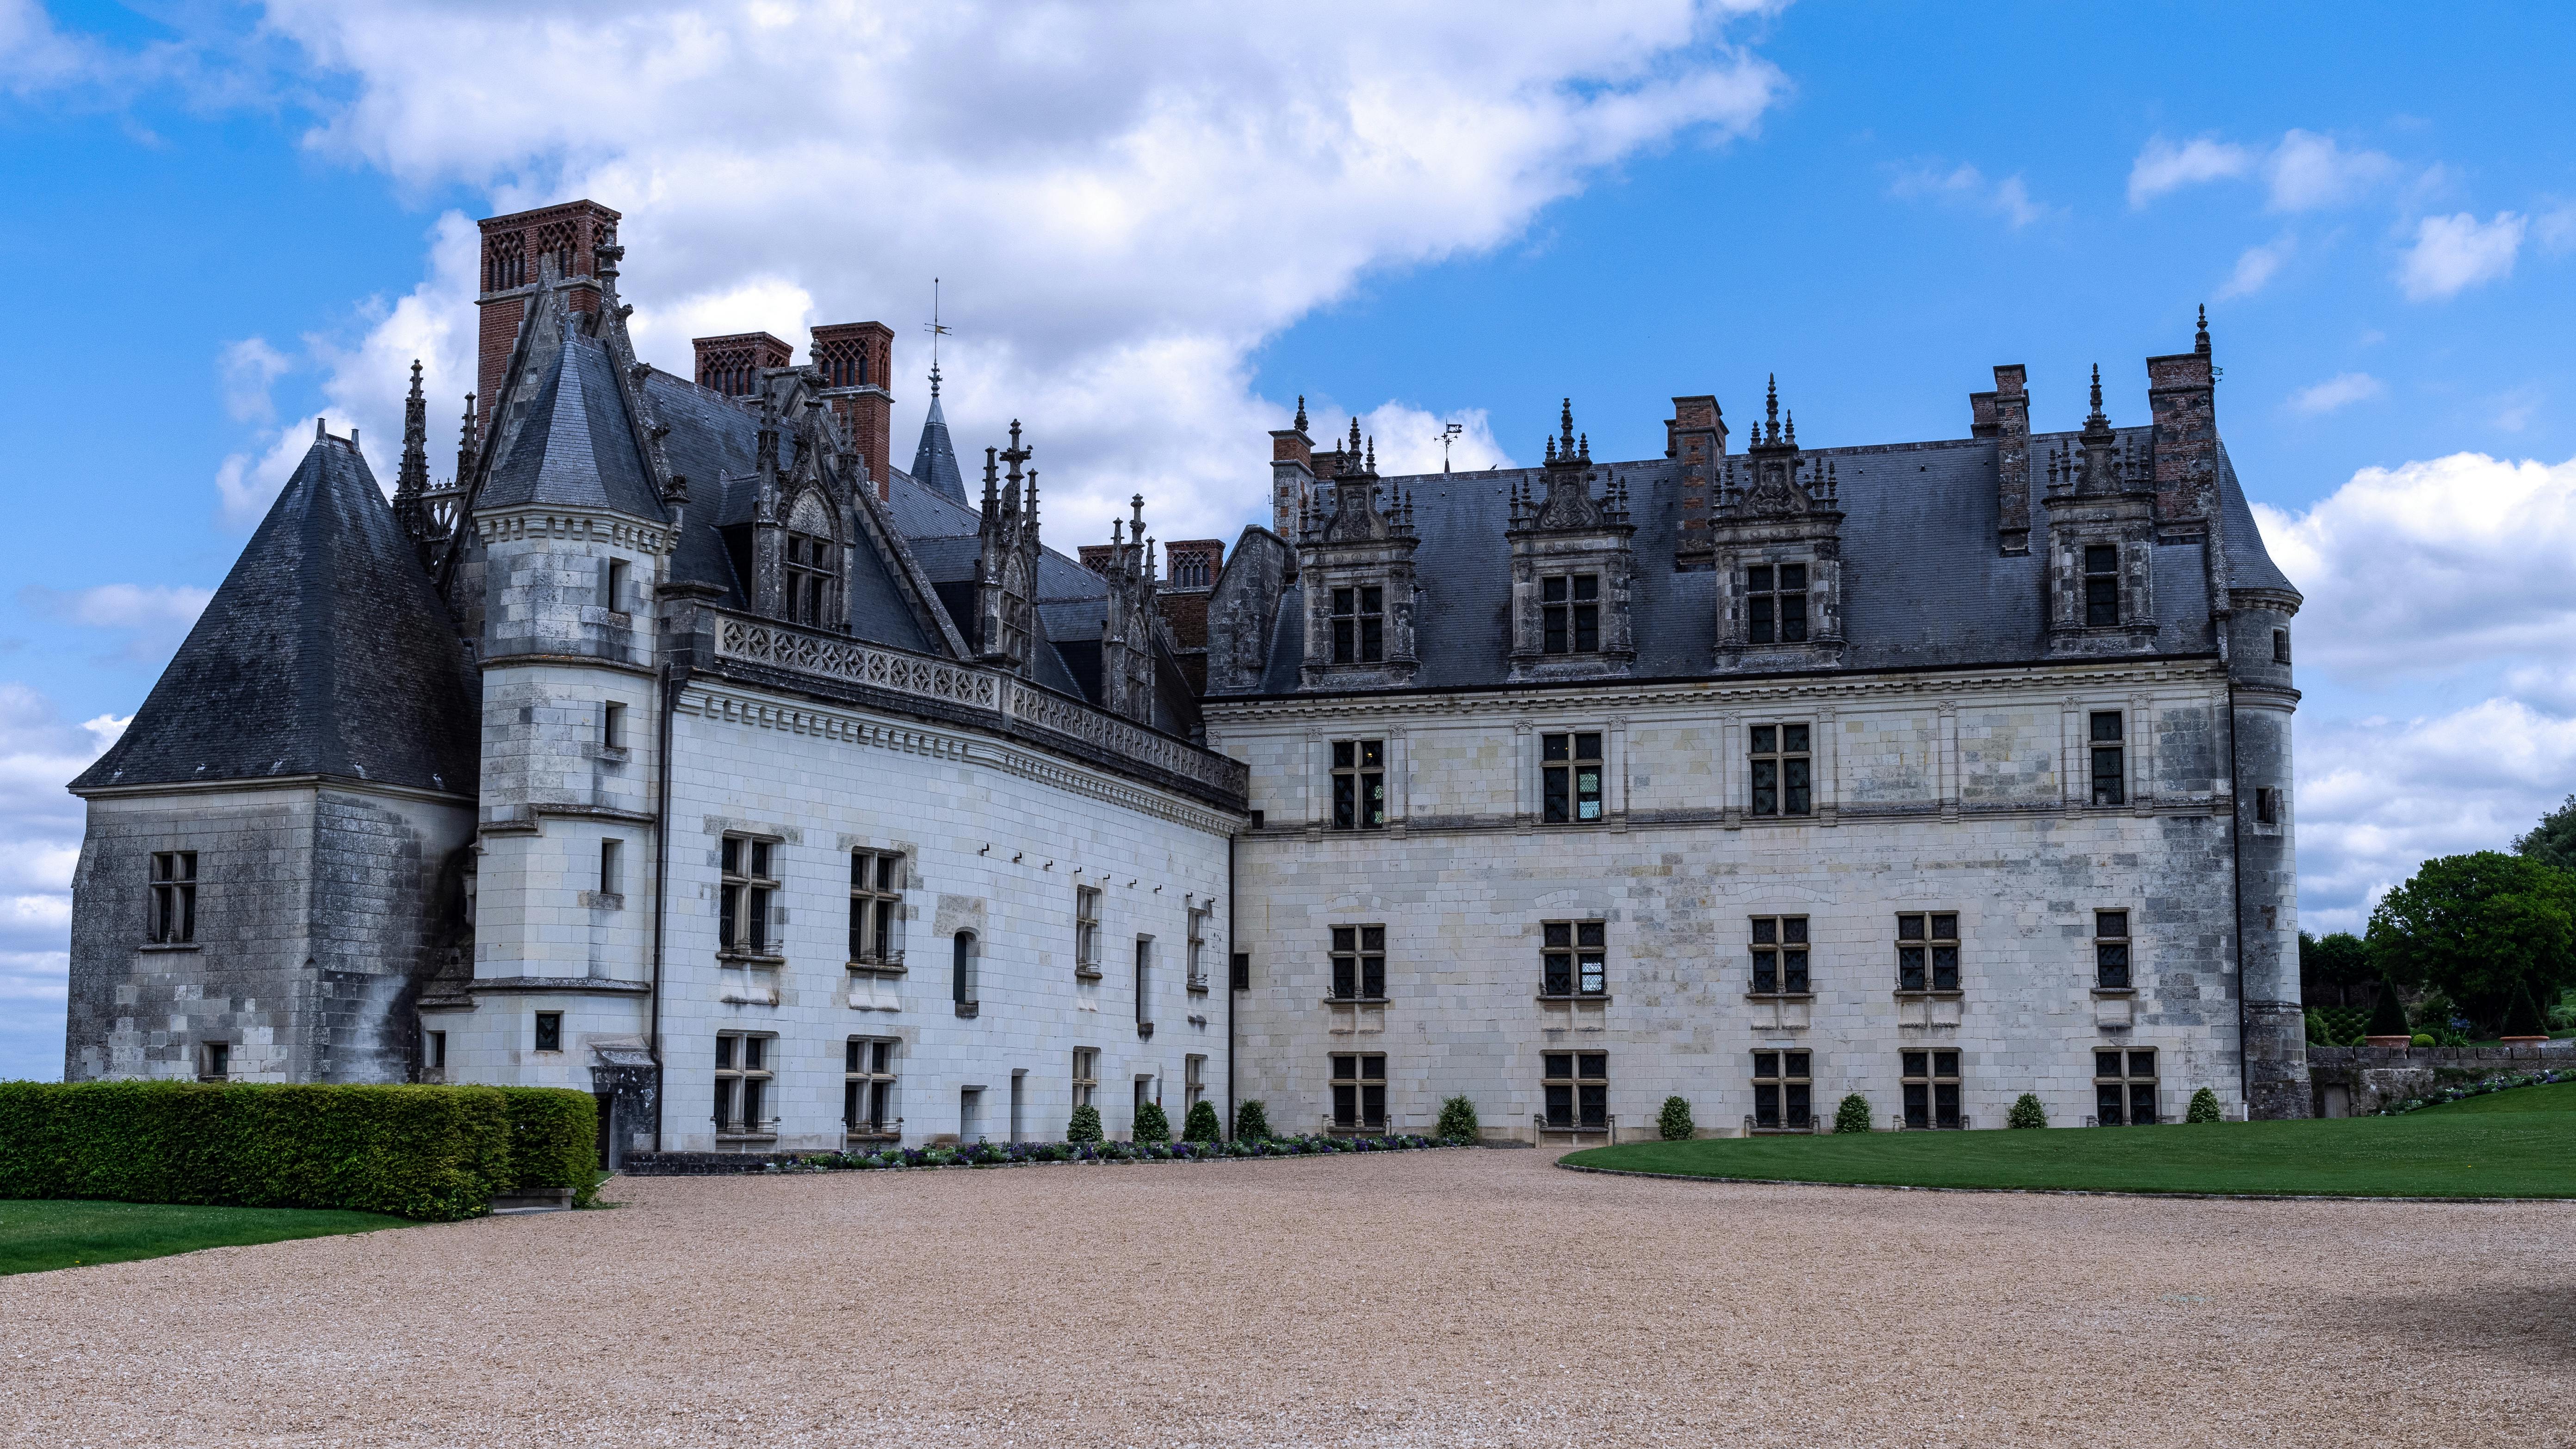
x: 742, y: 1102
x: 550, y: 1031
x: 867, y: 1088
x: 1779, y: 955
x: 1783, y: 1092
x: 807, y: 578
x: 2267, y: 805
x: 610, y: 871
x: 1573, y: 958
x: 1359, y: 625
x: 612, y: 726
x: 1359, y: 784
x: 876, y: 907
x: 2280, y: 646
x: 2101, y: 586
x: 1570, y: 614
x: 1931, y: 1087
x: 1193, y: 1078
x: 1783, y: 770
x: 1144, y: 986
x: 433, y: 1051
x: 1359, y: 1091
x: 1570, y: 778
x: 2124, y: 1088
x: 1927, y: 951
x: 2111, y: 950
x: 1359, y: 963
x: 214, y: 1061
x: 961, y: 958
x: 173, y: 921
x: 2110, y: 760
x: 1198, y: 918
x: 1086, y: 1075
x: 614, y: 585
x: 1242, y: 972
x: 1775, y: 604
x: 1577, y: 1088
x: 1086, y: 931
x: 742, y: 923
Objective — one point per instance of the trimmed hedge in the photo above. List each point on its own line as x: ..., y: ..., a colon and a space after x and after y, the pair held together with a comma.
x: 432, y: 1154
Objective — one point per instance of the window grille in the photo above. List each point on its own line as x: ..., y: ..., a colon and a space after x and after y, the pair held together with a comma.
x: 1577, y: 1088
x: 1086, y: 1075
x: 2124, y: 1087
x: 1783, y: 770
x: 808, y: 577
x: 1931, y: 1085
x: 1359, y: 625
x: 1086, y: 931
x: 1780, y: 955
x: 743, y: 1083
x: 1927, y: 951
x: 1570, y: 614
x: 1359, y: 963
x: 868, y: 1087
x: 2101, y: 586
x: 1775, y: 601
x: 1782, y: 1091
x: 2110, y: 760
x: 1573, y: 959
x: 1359, y: 1091
x: 174, y: 898
x: 1359, y: 784
x: 742, y: 925
x: 2111, y: 950
x: 550, y: 1031
x: 876, y: 907
x: 1570, y: 778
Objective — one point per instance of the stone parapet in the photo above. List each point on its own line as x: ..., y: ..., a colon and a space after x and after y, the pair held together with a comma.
x: 2358, y: 1081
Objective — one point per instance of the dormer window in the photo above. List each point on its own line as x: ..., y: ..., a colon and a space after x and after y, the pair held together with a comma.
x: 1776, y: 603
x: 1570, y: 614
x: 1359, y: 625
x: 808, y: 578
x: 2101, y: 586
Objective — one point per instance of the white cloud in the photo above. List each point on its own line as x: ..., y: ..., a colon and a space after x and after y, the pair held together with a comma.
x: 248, y: 368
x: 1125, y: 200
x: 39, y: 754
x: 2377, y: 797
x: 2164, y: 166
x: 2309, y: 172
x: 33, y: 55
x: 2341, y: 390
x: 2454, y: 253
x: 2256, y: 268
x: 2514, y: 408
x: 152, y: 617
x: 2008, y: 198
x: 2481, y: 543
x: 2555, y: 230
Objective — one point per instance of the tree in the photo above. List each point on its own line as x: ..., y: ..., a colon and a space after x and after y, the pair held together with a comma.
x: 1853, y: 1114
x: 1202, y: 1125
x: 1251, y: 1121
x: 2478, y: 927
x: 2388, y: 1014
x: 1151, y: 1124
x: 1085, y: 1126
x: 1458, y: 1120
x: 2553, y: 841
x: 2522, y: 1014
x: 1674, y: 1122
x: 2027, y: 1111
x: 2331, y: 966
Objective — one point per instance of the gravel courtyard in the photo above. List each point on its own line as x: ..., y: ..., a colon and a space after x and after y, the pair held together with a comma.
x: 1435, y: 1298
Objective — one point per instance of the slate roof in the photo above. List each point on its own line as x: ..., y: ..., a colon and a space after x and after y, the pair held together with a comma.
x: 1923, y: 584
x: 934, y: 462
x: 326, y: 651
x: 576, y: 447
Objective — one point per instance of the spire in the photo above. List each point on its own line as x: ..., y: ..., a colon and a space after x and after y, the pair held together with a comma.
x: 1372, y: 453
x: 992, y: 482
x: 934, y: 459
x: 413, y: 480
x: 1565, y: 426
x: 1771, y: 406
x: 2200, y: 343
x: 1354, y: 448
x: 2095, y: 420
x: 1301, y: 412
x: 465, y: 444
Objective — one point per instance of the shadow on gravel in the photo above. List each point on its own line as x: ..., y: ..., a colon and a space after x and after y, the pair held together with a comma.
x: 2532, y: 1325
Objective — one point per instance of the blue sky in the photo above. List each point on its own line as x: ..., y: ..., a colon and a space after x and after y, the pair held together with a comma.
x: 1159, y: 225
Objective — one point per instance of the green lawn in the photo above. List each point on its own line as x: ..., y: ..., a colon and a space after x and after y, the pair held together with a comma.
x: 35, y: 1236
x: 2479, y: 1148
x: 2556, y: 1097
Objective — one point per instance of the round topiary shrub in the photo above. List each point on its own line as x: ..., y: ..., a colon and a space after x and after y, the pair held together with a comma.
x: 2026, y: 1112
x: 1151, y: 1124
x: 1201, y: 1125
x: 1251, y: 1121
x: 1853, y: 1114
x: 2203, y: 1108
x: 1674, y: 1122
x: 2423, y: 1039
x: 1085, y: 1126
x: 1458, y: 1121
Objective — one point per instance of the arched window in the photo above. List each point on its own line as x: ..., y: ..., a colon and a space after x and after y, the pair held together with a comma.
x: 962, y: 965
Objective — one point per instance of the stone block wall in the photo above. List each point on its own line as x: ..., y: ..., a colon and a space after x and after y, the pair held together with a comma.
x: 2358, y: 1081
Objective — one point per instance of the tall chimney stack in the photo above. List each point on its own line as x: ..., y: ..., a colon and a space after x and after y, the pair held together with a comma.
x: 857, y: 362
x: 519, y: 250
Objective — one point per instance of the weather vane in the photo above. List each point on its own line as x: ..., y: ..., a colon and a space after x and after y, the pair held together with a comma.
x: 1447, y: 436
x: 936, y: 332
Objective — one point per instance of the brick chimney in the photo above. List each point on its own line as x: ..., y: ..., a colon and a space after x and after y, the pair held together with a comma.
x: 2004, y: 415
x: 1695, y: 437
x: 732, y: 364
x: 857, y: 360
x: 518, y: 251
x: 2182, y: 392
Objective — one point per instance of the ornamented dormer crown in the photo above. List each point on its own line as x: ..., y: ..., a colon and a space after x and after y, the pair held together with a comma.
x: 1777, y: 538
x: 1356, y: 517
x: 2098, y: 464
x: 1006, y: 570
x: 1127, y: 625
x: 1356, y: 568
x: 1572, y: 570
x: 2101, y: 541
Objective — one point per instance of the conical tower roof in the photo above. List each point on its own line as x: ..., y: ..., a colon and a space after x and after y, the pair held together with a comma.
x: 934, y: 463
x: 327, y: 651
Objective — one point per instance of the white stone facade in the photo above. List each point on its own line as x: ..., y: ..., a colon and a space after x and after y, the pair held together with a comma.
x: 1934, y: 792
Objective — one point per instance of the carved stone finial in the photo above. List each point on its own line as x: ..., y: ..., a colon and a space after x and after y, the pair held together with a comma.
x: 2200, y: 343
x: 1301, y: 412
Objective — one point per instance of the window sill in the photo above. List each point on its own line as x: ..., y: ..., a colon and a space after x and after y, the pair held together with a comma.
x: 876, y: 968
x: 604, y: 900
x: 615, y: 754
x: 1197, y: 986
x: 969, y: 1010
x: 169, y: 946
x: 2100, y: 992
x: 745, y: 958
x: 1601, y: 996
x: 874, y: 1134
x: 1337, y: 1129
x: 1779, y: 996
x: 1144, y: 1031
x: 1951, y: 995
x: 1355, y: 1001
x: 1086, y: 973
x: 746, y: 1136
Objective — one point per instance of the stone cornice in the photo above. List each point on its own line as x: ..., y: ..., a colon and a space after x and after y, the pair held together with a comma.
x: 278, y: 782
x: 588, y: 525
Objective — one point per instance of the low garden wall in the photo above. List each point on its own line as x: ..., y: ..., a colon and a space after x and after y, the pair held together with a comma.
x: 428, y: 1153
x: 2357, y: 1081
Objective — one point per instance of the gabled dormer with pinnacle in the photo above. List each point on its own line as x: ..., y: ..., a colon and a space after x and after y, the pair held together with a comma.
x: 1572, y: 568
x: 2101, y: 503
x: 1130, y: 619
x: 1355, y: 564
x: 1776, y: 536
x: 1006, y: 566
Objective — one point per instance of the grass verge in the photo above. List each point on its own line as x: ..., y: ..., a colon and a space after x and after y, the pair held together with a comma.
x: 39, y: 1235
x: 2465, y: 1150
x: 2554, y: 1097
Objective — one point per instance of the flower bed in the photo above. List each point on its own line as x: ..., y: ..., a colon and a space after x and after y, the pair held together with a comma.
x: 999, y: 1154
x: 2480, y: 1088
